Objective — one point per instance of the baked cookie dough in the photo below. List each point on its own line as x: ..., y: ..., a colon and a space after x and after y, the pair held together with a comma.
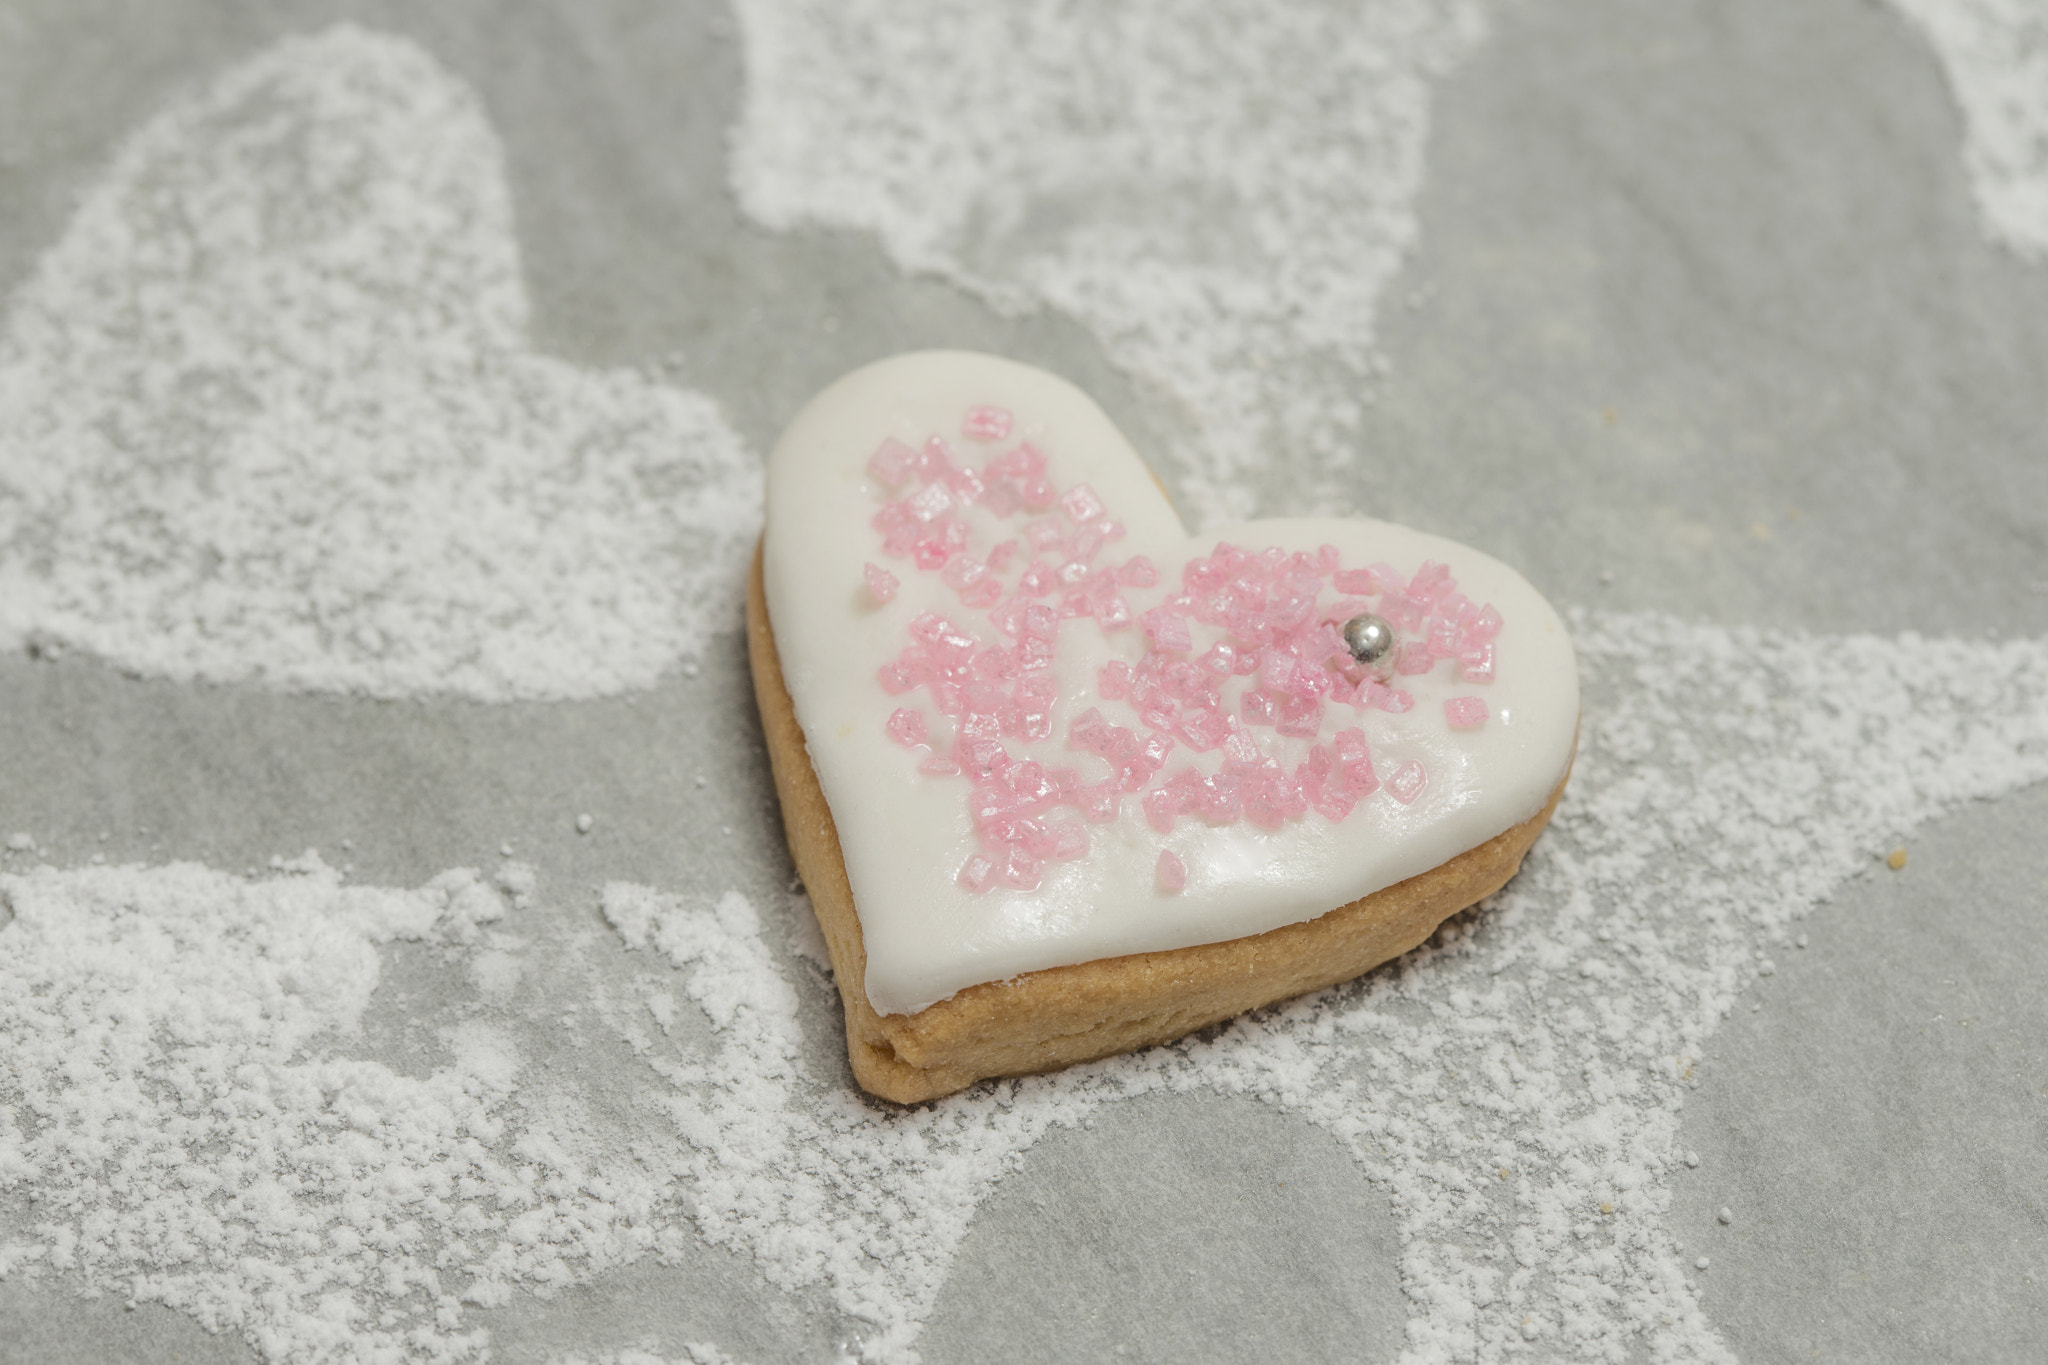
x: 1063, y: 781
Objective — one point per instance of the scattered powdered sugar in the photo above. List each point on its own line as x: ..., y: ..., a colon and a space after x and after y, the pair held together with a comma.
x: 1995, y: 53
x: 694, y: 1353
x: 268, y: 411
x: 820, y: 1185
x: 1220, y: 202
x: 1516, y: 1085
x: 181, y: 1120
x: 185, y: 1116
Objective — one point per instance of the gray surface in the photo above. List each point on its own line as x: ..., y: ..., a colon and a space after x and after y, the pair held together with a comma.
x: 1879, y: 1127
x: 1686, y: 270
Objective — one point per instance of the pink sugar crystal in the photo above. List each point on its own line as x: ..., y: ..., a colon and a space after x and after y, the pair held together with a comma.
x: 1114, y: 682
x: 1168, y: 630
x: 1002, y: 500
x: 882, y: 584
x: 1159, y: 809
x: 1431, y: 581
x: 1088, y: 731
x: 1025, y: 462
x: 1203, y: 731
x: 1300, y: 717
x: 930, y: 502
x: 1407, y: 782
x: 1069, y: 842
x: 967, y: 486
x: 1443, y: 637
x: 935, y: 461
x: 1217, y: 799
x: 1038, y: 579
x: 1276, y: 671
x: 1258, y: 707
x: 1395, y: 701
x: 1465, y: 713
x: 1038, y: 493
x: 976, y: 874
x: 906, y: 726
x: 1476, y: 665
x: 1081, y: 504
x: 1358, y: 581
x: 1021, y: 871
x: 1483, y: 627
x: 1137, y: 572
x: 963, y: 572
x: 1414, y: 658
x: 899, y: 529
x: 1041, y: 622
x: 1099, y: 803
x: 1173, y: 873
x: 893, y: 462
x: 984, y: 423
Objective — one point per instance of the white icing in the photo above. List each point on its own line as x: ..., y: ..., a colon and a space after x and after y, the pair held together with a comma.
x: 905, y: 835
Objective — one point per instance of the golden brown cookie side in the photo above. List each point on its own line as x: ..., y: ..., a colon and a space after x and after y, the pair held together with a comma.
x: 814, y: 847
x: 1064, y: 1015
x: 1045, y: 1020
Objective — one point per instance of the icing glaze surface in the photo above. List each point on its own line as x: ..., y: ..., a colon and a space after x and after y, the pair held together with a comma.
x: 1052, y: 727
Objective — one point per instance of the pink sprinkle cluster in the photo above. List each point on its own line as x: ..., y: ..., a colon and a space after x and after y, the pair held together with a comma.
x: 1260, y: 616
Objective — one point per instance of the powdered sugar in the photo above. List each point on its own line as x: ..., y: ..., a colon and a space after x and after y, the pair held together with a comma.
x: 268, y: 411
x: 1995, y: 53
x: 1516, y: 1085
x: 1220, y: 202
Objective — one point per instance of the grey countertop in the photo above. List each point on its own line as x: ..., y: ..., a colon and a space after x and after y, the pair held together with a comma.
x: 1700, y: 325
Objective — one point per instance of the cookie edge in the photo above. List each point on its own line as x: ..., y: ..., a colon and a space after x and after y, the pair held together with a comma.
x: 1060, y: 1016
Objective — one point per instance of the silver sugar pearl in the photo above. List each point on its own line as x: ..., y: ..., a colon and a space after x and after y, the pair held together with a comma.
x: 1371, y: 641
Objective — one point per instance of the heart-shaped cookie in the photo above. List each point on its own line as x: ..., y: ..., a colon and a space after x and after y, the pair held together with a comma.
x: 1063, y: 779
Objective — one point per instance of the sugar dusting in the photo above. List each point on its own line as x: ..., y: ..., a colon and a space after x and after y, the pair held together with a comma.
x: 1221, y: 202
x: 1995, y: 54
x: 186, y: 1116
x: 1517, y: 1084
x: 187, y: 1112
x: 269, y: 411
